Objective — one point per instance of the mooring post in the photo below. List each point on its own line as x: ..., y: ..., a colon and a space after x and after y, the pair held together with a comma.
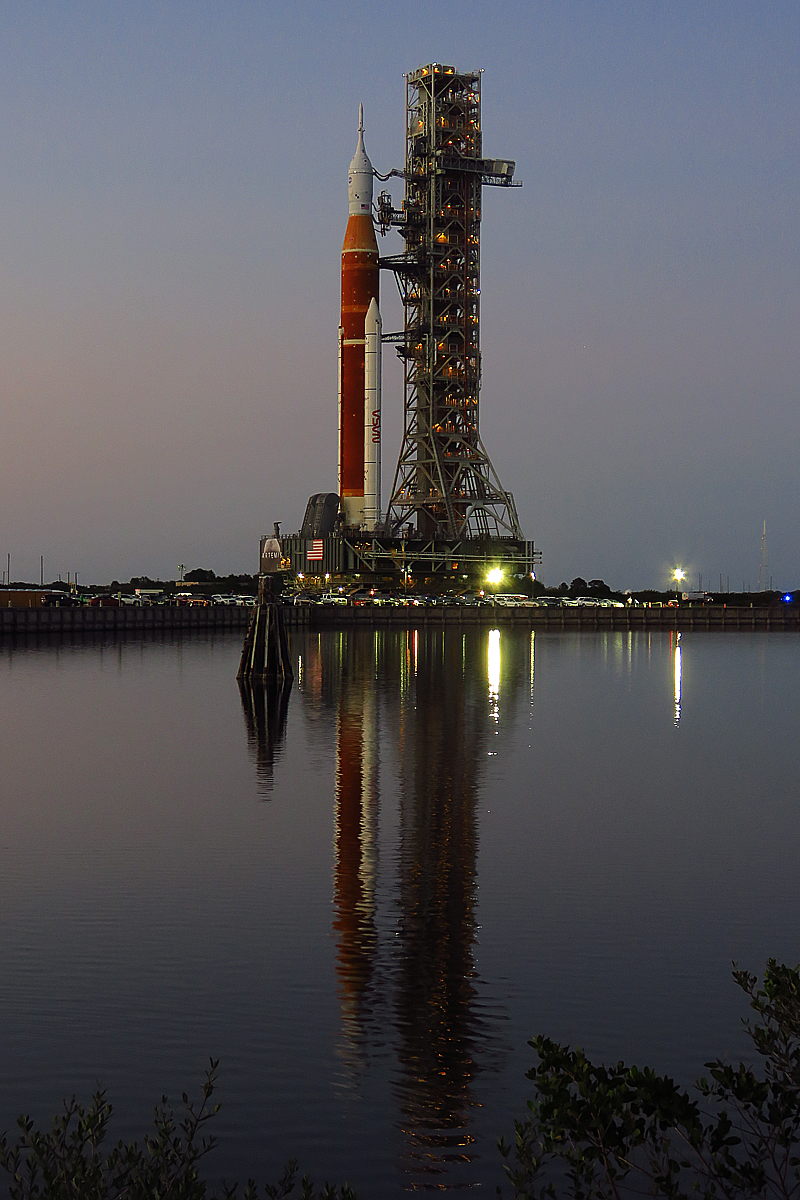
x: 265, y: 654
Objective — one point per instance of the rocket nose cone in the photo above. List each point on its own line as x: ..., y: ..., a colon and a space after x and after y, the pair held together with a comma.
x: 360, y: 160
x: 360, y: 175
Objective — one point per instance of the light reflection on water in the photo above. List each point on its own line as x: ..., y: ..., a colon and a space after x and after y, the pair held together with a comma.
x: 494, y: 674
x: 405, y: 969
x: 443, y: 869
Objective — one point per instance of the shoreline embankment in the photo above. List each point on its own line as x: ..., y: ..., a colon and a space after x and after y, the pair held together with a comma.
x: 134, y: 620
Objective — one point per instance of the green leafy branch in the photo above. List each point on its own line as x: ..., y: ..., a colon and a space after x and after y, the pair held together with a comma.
x: 608, y: 1132
x: 66, y: 1161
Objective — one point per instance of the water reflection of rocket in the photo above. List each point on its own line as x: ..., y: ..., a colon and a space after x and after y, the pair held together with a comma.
x: 355, y: 848
x: 404, y: 948
x: 359, y: 345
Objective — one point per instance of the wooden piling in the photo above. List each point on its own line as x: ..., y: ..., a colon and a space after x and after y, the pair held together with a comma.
x: 265, y: 654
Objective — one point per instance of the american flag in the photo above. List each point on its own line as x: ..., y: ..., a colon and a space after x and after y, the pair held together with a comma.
x: 315, y: 553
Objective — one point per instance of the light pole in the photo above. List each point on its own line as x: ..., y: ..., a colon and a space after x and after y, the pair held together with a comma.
x: 678, y: 575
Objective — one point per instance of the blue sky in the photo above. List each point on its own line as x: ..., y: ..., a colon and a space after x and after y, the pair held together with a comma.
x: 173, y: 199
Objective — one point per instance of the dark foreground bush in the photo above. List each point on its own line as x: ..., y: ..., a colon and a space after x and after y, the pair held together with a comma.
x: 597, y: 1131
x: 67, y: 1162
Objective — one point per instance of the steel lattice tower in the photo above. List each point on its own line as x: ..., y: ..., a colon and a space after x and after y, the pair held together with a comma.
x: 445, y: 484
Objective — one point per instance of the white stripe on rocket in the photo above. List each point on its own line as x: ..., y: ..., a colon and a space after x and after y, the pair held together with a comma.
x: 372, y: 416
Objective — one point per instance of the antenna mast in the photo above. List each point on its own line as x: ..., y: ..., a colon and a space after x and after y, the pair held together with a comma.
x: 763, y: 566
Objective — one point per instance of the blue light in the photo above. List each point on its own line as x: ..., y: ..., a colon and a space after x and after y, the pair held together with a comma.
x: 788, y: 598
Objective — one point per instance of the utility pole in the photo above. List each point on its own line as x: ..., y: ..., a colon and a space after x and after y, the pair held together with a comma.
x: 763, y: 567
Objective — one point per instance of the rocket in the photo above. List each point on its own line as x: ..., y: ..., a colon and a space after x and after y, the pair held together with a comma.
x: 360, y: 276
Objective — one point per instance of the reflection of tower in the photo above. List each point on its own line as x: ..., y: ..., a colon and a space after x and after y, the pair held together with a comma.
x: 356, y: 818
x: 443, y: 726
x: 425, y: 692
x: 265, y: 705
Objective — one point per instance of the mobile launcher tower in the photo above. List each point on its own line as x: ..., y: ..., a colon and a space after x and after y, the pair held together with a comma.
x: 447, y: 511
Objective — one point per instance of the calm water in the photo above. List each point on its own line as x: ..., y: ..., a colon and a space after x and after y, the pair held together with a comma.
x: 364, y: 897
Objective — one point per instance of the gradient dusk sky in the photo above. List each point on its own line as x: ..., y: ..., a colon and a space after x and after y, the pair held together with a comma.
x: 173, y: 189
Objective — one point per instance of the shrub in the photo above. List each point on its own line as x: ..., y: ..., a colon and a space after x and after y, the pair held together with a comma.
x: 596, y: 1131
x: 67, y: 1161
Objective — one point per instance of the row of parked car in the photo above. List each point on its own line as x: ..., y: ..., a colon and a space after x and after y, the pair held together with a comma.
x: 232, y: 601
x: 125, y: 600
x: 198, y: 600
x: 578, y: 602
x: 374, y: 597
x: 364, y: 598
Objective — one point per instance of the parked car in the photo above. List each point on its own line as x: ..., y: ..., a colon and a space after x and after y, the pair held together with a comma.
x: 60, y: 600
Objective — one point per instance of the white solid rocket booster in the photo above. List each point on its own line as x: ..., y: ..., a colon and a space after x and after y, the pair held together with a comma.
x: 372, y: 416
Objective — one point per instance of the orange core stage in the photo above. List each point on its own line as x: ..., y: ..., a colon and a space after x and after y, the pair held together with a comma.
x: 360, y: 284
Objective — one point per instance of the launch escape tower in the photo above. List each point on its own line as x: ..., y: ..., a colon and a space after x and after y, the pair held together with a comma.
x: 445, y: 486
